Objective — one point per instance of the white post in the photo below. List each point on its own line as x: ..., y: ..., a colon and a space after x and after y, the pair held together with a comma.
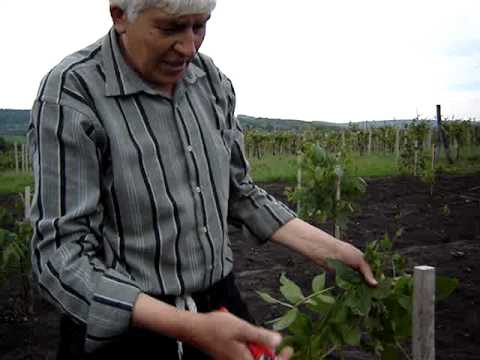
x: 369, y: 140
x: 415, y: 158
x: 16, y: 157
x: 28, y: 197
x: 397, y: 143
x: 23, y: 158
x: 338, y: 198
x: 299, y: 181
x: 423, y: 342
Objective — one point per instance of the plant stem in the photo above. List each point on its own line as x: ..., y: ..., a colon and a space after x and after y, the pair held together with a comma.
x: 403, y: 351
x: 311, y: 296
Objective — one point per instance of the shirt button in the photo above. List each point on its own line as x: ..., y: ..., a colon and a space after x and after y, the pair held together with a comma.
x: 204, y: 229
x: 189, y: 148
x: 198, y: 190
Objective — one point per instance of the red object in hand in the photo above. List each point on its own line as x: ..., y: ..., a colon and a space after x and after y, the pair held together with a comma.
x: 259, y: 352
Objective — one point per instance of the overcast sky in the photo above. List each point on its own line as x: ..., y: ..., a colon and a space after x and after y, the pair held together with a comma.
x: 342, y: 60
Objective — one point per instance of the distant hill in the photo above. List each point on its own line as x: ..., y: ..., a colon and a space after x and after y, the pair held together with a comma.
x: 14, y: 122
x: 267, y: 124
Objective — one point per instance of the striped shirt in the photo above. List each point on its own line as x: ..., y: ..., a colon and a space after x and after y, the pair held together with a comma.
x: 134, y: 191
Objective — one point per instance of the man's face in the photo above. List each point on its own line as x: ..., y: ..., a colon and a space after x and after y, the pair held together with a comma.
x: 160, y: 46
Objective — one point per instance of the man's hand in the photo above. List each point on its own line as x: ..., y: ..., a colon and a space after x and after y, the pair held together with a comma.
x: 225, y: 337
x: 353, y: 257
x: 319, y: 246
x: 221, y: 335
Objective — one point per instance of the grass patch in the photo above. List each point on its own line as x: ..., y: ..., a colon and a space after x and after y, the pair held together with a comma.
x: 10, y: 182
x: 374, y: 165
x: 469, y: 163
x: 273, y: 169
x: 14, y: 139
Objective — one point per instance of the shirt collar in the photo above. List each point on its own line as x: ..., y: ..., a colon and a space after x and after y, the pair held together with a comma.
x: 122, y: 80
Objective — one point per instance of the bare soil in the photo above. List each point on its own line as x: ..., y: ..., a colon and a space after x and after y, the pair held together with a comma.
x: 442, y: 230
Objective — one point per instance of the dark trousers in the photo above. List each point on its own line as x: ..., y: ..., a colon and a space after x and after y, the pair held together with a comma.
x: 136, y: 344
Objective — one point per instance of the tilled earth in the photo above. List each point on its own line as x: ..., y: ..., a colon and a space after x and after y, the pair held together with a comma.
x: 442, y: 230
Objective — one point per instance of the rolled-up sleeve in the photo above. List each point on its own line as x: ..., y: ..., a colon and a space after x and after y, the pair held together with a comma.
x: 249, y: 205
x: 67, y: 246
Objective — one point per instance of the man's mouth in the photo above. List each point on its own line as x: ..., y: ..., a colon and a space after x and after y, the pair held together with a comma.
x: 175, y: 66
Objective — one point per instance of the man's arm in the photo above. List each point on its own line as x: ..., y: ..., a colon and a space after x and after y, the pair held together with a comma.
x: 221, y: 335
x: 319, y: 246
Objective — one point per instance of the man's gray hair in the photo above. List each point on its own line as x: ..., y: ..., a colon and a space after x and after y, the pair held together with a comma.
x: 173, y: 7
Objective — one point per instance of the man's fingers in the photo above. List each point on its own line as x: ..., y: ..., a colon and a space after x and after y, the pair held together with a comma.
x: 257, y: 335
x: 285, y: 354
x: 365, y: 269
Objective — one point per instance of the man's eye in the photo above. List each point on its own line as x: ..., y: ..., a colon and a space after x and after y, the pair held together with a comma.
x: 198, y: 28
x: 168, y: 30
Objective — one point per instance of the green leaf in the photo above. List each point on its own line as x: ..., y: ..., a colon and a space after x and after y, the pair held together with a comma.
x: 386, y: 243
x: 444, y: 287
x: 365, y: 300
x: 267, y: 298
x: 351, y: 334
x: 290, y: 290
x: 326, y: 299
x: 285, y: 321
x: 318, y: 283
x: 340, y: 316
x: 344, y: 272
x: 383, y: 289
x: 390, y: 353
x: 405, y: 302
x: 302, y: 326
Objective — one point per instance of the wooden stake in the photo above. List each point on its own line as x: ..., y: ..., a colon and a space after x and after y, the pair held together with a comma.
x: 338, y: 198
x: 423, y: 342
x: 397, y: 144
x: 16, y: 158
x: 24, y: 160
x: 28, y: 197
x: 299, y: 181
x: 369, y: 140
x: 441, y: 134
x: 415, y: 158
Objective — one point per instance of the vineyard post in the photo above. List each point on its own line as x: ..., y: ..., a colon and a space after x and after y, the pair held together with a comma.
x: 433, y: 169
x: 397, y: 143
x: 442, y: 136
x: 28, y: 197
x: 337, y: 198
x: 299, y: 180
x: 433, y: 157
x: 428, y: 142
x: 415, y: 158
x: 23, y: 158
x: 29, y: 158
x: 15, y: 149
x: 423, y: 341
x: 369, y: 140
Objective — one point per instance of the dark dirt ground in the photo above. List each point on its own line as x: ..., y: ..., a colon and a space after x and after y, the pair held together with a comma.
x: 442, y: 230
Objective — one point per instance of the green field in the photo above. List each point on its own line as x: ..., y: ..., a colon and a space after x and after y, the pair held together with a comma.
x: 273, y: 169
x: 14, y: 139
x: 14, y: 183
x: 284, y: 169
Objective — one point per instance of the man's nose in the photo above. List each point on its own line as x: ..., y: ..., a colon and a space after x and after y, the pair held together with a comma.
x: 186, y: 44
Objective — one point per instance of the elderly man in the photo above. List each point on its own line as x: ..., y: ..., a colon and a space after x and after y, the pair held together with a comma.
x: 139, y: 166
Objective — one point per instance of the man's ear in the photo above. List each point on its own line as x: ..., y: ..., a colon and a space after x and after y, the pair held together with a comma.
x: 119, y: 18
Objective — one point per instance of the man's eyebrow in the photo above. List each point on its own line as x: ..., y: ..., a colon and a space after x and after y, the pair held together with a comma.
x: 177, y: 23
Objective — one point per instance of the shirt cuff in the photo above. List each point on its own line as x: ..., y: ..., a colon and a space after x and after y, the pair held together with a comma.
x: 263, y: 220
x: 110, y: 312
